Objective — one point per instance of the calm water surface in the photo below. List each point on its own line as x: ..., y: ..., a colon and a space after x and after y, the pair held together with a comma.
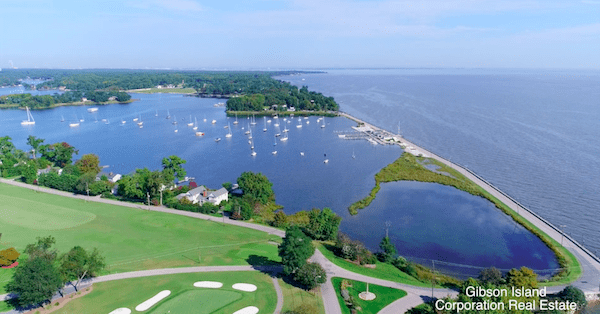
x: 535, y: 134
x: 300, y: 182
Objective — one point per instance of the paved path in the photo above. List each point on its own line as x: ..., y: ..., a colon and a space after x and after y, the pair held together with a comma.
x: 416, y: 295
x: 589, y: 282
x: 279, y: 305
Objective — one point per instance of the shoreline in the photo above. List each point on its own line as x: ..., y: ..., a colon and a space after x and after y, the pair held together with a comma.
x: 73, y: 104
x: 589, y: 281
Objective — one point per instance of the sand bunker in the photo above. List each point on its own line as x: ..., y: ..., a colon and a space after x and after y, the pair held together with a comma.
x: 122, y: 310
x: 150, y: 302
x: 208, y: 284
x: 247, y: 310
x: 244, y: 287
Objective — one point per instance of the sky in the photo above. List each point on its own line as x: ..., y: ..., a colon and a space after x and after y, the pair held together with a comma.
x: 300, y: 34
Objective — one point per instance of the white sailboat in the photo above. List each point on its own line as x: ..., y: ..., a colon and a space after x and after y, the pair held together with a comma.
x: 252, y: 148
x: 62, y: 118
x: 140, y: 122
x: 156, y: 114
x: 74, y: 124
x: 353, y: 156
x: 29, y: 120
x: 168, y: 115
x: 213, y: 121
x: 236, y: 121
x: 323, y: 125
x: 248, y: 131
x: 195, y: 124
x: 204, y: 118
x: 81, y: 120
x: 174, y: 120
x: 123, y: 121
x: 285, y: 138
x: 299, y: 123
x: 285, y: 129
x: 228, y: 134
x: 253, y: 120
x: 190, y: 123
x: 326, y: 160
x: 275, y: 141
x: 265, y: 120
x: 250, y: 136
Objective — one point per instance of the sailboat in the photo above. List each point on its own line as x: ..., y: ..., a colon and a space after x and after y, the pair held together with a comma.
x: 195, y: 124
x: 299, y: 123
x: 62, y: 118
x: 265, y: 120
x: 285, y: 129
x: 228, y: 134
x: 204, y: 118
x: 156, y: 114
x: 252, y: 148
x: 140, y: 121
x: 250, y: 136
x: 74, y: 124
x: 248, y: 131
x: 275, y: 141
x: 81, y: 120
x: 174, y: 120
x: 236, y: 121
x: 190, y: 123
x: 323, y: 125
x: 253, y: 120
x: 353, y: 156
x: 213, y: 121
x: 168, y: 115
x: 123, y: 121
x: 326, y: 160
x: 285, y: 138
x: 29, y: 120
x: 106, y: 122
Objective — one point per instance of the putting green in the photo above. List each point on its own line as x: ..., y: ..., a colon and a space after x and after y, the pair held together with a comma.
x: 40, y: 216
x: 198, y: 301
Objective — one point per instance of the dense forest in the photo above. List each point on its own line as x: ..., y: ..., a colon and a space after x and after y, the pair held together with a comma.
x: 246, y: 90
x: 48, y: 101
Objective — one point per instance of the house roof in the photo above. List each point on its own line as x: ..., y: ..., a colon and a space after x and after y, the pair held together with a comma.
x: 197, y: 190
x: 219, y: 192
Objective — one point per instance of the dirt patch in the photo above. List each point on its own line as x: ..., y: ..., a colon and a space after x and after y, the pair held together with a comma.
x: 61, y: 302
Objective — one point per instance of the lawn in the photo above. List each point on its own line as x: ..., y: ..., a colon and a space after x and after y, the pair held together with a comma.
x: 382, y: 270
x: 130, y: 239
x: 184, y: 297
x: 384, y: 296
x: 293, y: 298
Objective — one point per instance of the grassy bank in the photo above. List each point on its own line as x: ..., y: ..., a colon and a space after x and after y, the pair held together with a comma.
x: 280, y: 113
x: 384, y: 295
x: 187, y: 90
x: 130, y: 239
x: 296, y: 298
x: 411, y: 168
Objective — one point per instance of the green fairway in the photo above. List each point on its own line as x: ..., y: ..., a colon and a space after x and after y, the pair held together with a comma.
x: 384, y: 296
x: 32, y: 214
x: 203, y: 301
x: 131, y: 239
x: 184, y: 298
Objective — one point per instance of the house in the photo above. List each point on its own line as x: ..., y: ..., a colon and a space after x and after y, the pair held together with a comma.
x: 112, y: 98
x: 291, y: 109
x: 112, y: 177
x: 216, y: 197
x: 193, y: 195
x: 48, y: 170
x: 201, y: 195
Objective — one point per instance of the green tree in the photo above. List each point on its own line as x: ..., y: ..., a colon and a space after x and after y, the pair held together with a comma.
x: 310, y: 275
x: 295, y: 249
x: 524, y: 277
x: 256, y: 186
x: 34, y: 143
x: 59, y: 153
x: 388, y: 250
x: 491, y: 275
x: 129, y: 188
x: 35, y: 281
x: 323, y: 224
x: 172, y: 168
x: 89, y: 163
x: 573, y: 294
x: 42, y: 248
x: 29, y: 171
x: 78, y: 264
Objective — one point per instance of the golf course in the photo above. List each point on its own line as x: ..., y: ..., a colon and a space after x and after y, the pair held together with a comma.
x: 130, y: 239
x: 184, y: 297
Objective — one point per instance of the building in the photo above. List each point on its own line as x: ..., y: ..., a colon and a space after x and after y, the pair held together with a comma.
x: 112, y: 177
x: 48, y: 170
x: 202, y: 195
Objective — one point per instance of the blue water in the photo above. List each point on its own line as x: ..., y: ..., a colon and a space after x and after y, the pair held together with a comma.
x: 535, y: 134
x: 300, y: 182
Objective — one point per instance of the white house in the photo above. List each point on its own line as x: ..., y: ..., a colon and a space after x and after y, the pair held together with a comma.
x: 112, y: 177
x: 202, y: 195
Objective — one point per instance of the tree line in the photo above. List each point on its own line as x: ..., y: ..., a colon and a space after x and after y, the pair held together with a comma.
x: 48, y: 101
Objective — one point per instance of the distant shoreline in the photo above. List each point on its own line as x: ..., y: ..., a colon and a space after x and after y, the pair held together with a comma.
x: 79, y: 103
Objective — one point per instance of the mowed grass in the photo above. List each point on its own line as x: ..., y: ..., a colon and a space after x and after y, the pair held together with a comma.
x: 383, y: 296
x: 130, y: 239
x: 294, y: 298
x: 184, y: 297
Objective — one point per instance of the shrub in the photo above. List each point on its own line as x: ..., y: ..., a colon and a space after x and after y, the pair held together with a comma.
x: 311, y: 275
x: 8, y: 256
